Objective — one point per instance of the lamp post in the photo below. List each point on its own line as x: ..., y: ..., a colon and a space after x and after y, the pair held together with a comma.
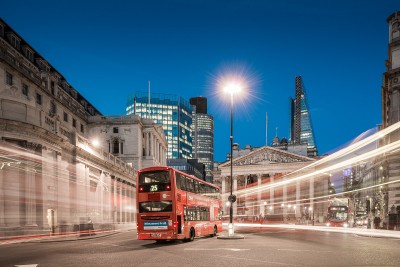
x: 232, y: 89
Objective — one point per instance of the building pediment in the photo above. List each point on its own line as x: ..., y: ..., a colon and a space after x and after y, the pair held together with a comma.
x: 267, y: 155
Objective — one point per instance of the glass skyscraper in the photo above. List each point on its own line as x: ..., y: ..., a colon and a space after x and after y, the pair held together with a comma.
x: 175, y: 115
x: 301, y: 130
x: 203, y: 135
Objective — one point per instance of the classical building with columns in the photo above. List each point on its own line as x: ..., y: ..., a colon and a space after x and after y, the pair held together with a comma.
x: 138, y: 141
x: 263, y: 190
x: 52, y: 179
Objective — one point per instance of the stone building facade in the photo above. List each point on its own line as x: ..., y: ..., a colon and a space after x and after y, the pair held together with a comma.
x: 51, y: 178
x: 138, y: 141
x: 391, y: 108
x: 262, y: 189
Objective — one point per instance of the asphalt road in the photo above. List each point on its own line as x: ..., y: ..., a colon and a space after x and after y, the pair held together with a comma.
x: 260, y: 247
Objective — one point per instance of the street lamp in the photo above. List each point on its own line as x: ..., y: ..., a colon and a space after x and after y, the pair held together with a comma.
x: 231, y: 88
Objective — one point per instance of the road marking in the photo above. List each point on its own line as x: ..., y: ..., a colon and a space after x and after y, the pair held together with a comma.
x: 112, y: 245
x: 230, y: 249
x: 267, y: 262
x: 29, y: 265
x: 302, y: 250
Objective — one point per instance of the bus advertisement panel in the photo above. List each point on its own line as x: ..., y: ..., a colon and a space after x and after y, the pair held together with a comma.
x: 174, y: 205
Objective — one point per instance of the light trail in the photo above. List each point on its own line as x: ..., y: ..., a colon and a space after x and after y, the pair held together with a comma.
x: 349, y: 162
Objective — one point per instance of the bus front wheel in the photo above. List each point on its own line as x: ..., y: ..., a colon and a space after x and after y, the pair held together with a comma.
x: 192, y: 234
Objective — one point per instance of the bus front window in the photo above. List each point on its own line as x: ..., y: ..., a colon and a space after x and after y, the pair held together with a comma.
x: 337, y: 215
x: 154, y: 177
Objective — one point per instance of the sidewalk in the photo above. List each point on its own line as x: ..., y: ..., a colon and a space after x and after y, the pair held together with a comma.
x: 379, y: 233
x: 73, y: 236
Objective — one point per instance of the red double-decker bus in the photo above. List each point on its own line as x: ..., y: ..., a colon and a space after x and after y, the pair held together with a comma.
x: 174, y: 205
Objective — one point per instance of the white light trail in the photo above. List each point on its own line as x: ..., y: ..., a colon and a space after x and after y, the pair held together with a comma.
x: 365, y: 156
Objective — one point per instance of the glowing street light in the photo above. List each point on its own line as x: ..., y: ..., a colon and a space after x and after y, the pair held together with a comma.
x: 231, y: 88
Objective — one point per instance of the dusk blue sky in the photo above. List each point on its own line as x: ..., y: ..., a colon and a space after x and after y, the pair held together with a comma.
x: 110, y: 49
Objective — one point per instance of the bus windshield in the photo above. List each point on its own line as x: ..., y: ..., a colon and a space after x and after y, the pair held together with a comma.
x: 337, y: 214
x: 154, y: 177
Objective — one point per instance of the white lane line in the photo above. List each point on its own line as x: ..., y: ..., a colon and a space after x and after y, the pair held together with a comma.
x: 112, y: 245
x: 28, y: 265
x: 303, y: 250
x: 278, y: 232
x: 230, y: 249
x: 268, y: 263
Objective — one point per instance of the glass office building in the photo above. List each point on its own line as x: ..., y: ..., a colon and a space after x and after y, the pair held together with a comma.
x: 175, y: 115
x: 203, y: 135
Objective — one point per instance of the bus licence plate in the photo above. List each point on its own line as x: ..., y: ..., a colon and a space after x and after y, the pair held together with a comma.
x: 155, y: 234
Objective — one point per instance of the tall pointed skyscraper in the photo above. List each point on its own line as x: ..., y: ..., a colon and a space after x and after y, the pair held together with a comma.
x: 301, y: 130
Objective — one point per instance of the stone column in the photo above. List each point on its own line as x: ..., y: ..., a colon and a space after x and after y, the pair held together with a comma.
x: 30, y: 189
x: 284, y: 200
x: 102, y: 195
x: 87, y: 190
x: 2, y: 199
x: 312, y: 197
x: 224, y: 195
x: 150, y: 145
x: 271, y: 195
x: 260, y: 203
x: 298, y: 210
x: 134, y: 205
x: 114, y: 208
x: 155, y: 160
x: 123, y: 203
x: 120, y: 201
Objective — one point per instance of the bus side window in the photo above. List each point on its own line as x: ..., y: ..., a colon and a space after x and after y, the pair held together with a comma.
x: 189, y: 184
x: 202, y: 188
x: 183, y: 183
x: 178, y: 180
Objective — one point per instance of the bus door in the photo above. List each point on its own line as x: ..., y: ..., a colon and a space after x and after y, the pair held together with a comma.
x: 185, y: 218
x: 179, y: 219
